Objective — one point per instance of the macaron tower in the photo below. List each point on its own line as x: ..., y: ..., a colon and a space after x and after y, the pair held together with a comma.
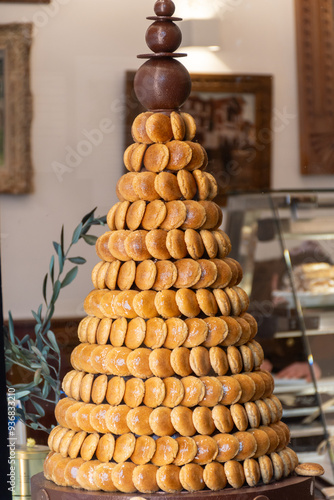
x: 167, y: 392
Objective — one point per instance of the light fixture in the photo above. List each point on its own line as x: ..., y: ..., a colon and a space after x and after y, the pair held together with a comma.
x: 199, y: 9
x: 201, y: 33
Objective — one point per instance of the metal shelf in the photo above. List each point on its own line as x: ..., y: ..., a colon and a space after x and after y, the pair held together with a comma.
x: 296, y: 333
x: 300, y: 431
x: 303, y: 388
x: 304, y: 411
x: 310, y: 236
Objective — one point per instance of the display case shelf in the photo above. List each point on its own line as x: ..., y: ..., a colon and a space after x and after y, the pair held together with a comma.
x: 310, y: 333
x: 275, y: 236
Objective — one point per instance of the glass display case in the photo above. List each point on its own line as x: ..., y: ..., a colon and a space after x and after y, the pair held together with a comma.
x: 285, y: 243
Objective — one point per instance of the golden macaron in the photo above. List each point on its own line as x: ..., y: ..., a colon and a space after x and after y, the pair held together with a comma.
x: 158, y: 128
x: 144, y: 478
x: 138, y: 128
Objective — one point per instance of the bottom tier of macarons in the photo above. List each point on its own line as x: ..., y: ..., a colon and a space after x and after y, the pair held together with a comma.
x: 128, y: 477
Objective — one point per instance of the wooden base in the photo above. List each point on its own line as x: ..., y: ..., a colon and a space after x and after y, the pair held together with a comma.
x: 288, y: 489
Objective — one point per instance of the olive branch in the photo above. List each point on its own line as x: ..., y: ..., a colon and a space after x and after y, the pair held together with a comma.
x: 38, y: 354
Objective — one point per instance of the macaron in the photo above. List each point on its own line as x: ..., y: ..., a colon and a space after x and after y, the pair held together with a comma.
x: 138, y: 128
x: 190, y: 125
x: 186, y: 452
x: 207, y: 449
x: 156, y: 158
x: 158, y: 128
x: 144, y: 478
x: 168, y: 478
x: 214, y: 476
x: 191, y: 477
x: 180, y: 154
x: 178, y: 126
x: 182, y: 421
x: 144, y: 450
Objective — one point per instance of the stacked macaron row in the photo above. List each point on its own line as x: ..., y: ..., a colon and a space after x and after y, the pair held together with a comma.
x: 166, y: 391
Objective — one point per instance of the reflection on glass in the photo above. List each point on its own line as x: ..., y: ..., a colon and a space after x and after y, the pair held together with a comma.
x: 2, y: 109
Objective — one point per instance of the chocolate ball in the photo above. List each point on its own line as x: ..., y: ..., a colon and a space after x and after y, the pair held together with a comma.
x: 164, y: 8
x: 162, y: 83
x: 163, y: 36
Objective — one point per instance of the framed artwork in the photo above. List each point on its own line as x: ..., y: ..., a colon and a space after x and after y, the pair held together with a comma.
x: 15, y: 109
x: 25, y: 1
x: 233, y: 117
x: 315, y: 64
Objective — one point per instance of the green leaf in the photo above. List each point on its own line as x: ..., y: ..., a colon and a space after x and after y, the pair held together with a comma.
x: 88, y: 216
x: 77, y: 233
x: 62, y: 238
x: 11, y: 327
x: 52, y: 268
x: 38, y: 329
x: 39, y: 312
x: 51, y: 312
x: 24, y: 387
x: 61, y: 259
x: 69, y: 277
x: 47, y: 325
x: 46, y: 389
x: 56, y: 290
x: 55, y: 246
x: 37, y: 352
x: 45, y: 282
x: 25, y: 340
x: 33, y: 417
x: 90, y: 239
x: 52, y: 338
x: 34, y: 426
x: 50, y: 380
x: 93, y: 222
x: 37, y: 376
x: 38, y: 407
x: 37, y: 317
x: 45, y: 350
x: 16, y: 350
x: 45, y: 367
x: 21, y: 394
x: 35, y: 366
x: 77, y: 260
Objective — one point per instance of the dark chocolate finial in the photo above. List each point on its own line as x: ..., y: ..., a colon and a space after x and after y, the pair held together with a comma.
x: 164, y: 8
x: 162, y: 83
x: 163, y: 36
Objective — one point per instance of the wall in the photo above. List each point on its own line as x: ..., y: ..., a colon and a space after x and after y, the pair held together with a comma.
x: 80, y: 53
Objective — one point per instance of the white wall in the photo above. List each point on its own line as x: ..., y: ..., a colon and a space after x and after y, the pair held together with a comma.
x: 80, y: 53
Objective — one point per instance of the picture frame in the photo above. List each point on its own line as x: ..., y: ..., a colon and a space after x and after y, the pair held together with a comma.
x: 233, y: 117
x: 315, y: 63
x: 16, y: 170
x: 25, y: 1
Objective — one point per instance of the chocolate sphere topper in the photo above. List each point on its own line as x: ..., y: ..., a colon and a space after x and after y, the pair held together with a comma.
x: 162, y: 83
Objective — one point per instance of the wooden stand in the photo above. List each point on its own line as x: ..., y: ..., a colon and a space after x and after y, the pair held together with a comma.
x: 288, y: 489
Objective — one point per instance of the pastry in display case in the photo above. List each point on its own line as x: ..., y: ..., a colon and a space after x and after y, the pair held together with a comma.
x: 167, y: 392
x: 285, y: 243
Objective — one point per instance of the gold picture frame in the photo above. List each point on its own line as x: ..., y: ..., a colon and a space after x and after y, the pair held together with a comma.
x: 233, y: 117
x: 15, y: 108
